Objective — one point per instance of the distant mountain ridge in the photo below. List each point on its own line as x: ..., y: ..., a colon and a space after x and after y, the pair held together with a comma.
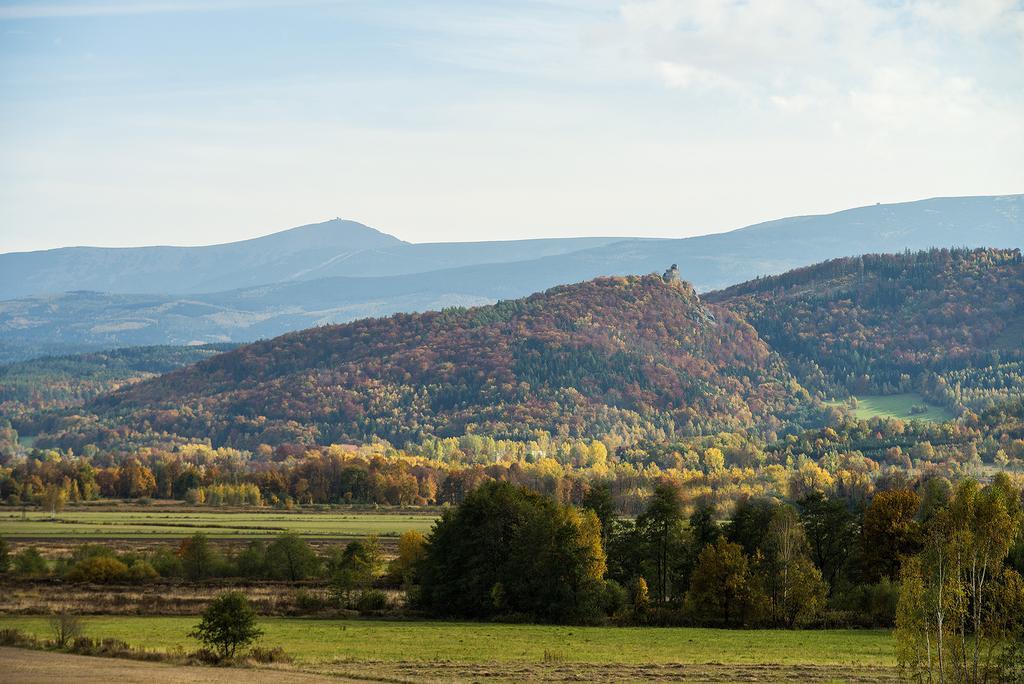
x: 341, y: 270
x: 328, y: 249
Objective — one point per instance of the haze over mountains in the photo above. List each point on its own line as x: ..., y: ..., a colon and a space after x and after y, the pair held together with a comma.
x: 83, y: 298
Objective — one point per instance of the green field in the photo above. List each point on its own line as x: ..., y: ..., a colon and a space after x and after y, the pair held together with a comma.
x: 897, y: 406
x: 232, y: 525
x: 321, y: 641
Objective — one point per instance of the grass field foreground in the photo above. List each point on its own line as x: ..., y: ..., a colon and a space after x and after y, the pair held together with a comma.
x: 322, y: 641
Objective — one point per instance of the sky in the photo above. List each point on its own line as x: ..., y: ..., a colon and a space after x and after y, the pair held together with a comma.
x: 201, y: 121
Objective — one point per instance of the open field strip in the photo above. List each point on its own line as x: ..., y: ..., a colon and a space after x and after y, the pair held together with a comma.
x: 119, y: 524
x: 323, y: 641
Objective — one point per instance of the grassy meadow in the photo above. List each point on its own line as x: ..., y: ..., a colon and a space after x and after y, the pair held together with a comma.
x: 897, y: 406
x: 85, y: 524
x: 314, y: 641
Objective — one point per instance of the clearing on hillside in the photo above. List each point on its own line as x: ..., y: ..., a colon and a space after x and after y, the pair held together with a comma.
x: 900, y: 406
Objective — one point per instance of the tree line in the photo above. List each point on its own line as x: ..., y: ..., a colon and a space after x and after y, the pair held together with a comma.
x: 849, y: 459
x: 509, y: 553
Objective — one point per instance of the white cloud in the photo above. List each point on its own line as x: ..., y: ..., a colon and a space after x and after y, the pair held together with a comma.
x: 686, y: 76
x: 893, y: 65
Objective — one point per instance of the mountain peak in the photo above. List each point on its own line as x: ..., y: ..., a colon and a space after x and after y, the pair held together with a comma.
x: 334, y: 233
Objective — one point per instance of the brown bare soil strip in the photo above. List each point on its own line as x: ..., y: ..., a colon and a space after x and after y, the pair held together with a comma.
x: 53, y: 548
x: 418, y: 671
x: 46, y: 597
x: 21, y: 666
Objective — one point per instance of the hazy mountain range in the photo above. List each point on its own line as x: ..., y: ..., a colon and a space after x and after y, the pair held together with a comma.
x: 83, y: 298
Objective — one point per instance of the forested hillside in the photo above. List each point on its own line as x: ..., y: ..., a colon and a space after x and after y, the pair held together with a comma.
x: 63, y: 381
x: 947, y: 322
x: 635, y: 356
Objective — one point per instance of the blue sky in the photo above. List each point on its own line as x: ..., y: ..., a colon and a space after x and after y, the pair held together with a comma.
x: 199, y: 121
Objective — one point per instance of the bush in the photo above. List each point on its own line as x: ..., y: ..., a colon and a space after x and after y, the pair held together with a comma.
x: 308, y: 602
x: 15, y: 637
x: 616, y: 598
x: 269, y: 655
x: 65, y: 628
x: 874, y: 605
x: 371, y: 601
x: 98, y: 570
x: 204, y: 656
x: 84, y: 551
x: 30, y: 563
x: 83, y: 645
x: 252, y: 561
x: 110, y: 645
x: 141, y: 571
x: 227, y: 625
x: 167, y: 563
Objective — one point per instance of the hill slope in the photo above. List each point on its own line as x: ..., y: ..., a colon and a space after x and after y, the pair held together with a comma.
x: 64, y: 381
x: 881, y: 323
x: 634, y: 356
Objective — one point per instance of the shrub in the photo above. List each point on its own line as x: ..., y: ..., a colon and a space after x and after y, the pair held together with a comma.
x: 205, y: 656
x: 371, y: 601
x: 269, y: 655
x: 141, y: 571
x: 30, y: 563
x: 227, y: 625
x: 252, y: 561
x: 308, y: 602
x: 84, y: 551
x: 98, y: 570
x: 167, y: 563
x: 873, y: 604
x: 83, y: 645
x: 65, y: 628
x: 114, y: 647
x: 15, y: 637
x: 615, y: 599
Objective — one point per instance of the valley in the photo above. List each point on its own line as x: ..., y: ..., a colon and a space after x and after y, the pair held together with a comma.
x: 494, y: 341
x: 376, y: 492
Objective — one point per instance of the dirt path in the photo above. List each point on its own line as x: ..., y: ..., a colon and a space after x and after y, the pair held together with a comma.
x: 21, y: 666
